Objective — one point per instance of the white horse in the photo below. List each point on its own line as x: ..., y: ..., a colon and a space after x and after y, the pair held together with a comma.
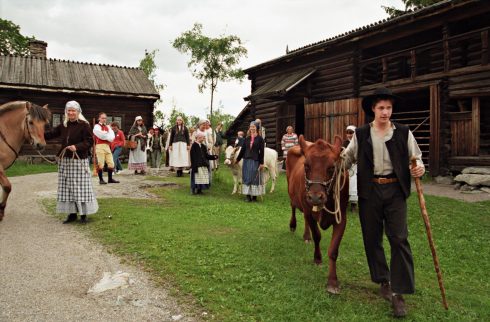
x: 270, y: 165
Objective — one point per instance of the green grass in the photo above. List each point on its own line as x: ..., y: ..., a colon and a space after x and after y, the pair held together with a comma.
x: 22, y: 168
x: 240, y: 262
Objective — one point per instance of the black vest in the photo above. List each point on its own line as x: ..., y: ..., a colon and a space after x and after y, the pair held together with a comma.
x: 397, y: 148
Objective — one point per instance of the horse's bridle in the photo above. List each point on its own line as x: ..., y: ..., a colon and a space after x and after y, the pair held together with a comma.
x: 2, y: 136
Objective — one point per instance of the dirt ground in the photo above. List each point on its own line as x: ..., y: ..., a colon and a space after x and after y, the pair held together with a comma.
x: 46, y: 268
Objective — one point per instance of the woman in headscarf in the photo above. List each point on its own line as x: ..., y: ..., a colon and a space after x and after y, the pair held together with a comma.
x: 179, y: 146
x: 200, y: 173
x: 252, y: 152
x: 353, y: 198
x: 75, y: 190
x: 137, y: 156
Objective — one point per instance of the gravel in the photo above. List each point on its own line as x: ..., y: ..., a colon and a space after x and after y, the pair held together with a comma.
x: 46, y: 268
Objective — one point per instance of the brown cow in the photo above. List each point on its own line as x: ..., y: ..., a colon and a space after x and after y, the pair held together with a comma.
x: 311, y: 173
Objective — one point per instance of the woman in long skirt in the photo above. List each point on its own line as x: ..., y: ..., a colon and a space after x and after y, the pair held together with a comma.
x: 200, y: 173
x: 252, y: 152
x: 179, y: 146
x: 137, y: 156
x: 75, y: 190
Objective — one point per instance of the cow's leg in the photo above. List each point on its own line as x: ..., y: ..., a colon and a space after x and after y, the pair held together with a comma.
x: 315, y: 231
x: 292, y: 221
x: 235, y: 184
x: 306, y: 232
x: 273, y: 186
x: 6, y: 188
x: 333, y: 251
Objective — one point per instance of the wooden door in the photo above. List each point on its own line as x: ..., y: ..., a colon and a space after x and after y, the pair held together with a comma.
x: 327, y: 119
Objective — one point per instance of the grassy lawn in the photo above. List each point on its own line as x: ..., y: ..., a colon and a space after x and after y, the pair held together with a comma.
x: 240, y: 262
x: 22, y: 168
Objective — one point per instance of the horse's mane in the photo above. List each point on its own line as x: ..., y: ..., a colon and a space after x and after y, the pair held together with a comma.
x: 37, y: 112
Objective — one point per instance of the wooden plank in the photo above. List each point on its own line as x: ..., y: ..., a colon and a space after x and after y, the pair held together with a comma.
x: 475, y: 126
x: 484, y: 47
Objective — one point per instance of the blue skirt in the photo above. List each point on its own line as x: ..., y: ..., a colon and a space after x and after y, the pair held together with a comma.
x: 253, y: 182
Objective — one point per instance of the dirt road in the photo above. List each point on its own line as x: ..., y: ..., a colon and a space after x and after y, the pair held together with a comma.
x: 46, y: 268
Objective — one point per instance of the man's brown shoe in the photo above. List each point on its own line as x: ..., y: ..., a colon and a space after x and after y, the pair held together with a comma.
x: 385, y: 291
x: 398, y: 304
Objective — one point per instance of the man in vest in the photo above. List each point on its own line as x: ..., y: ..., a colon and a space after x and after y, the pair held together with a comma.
x: 383, y: 150
x: 104, y: 135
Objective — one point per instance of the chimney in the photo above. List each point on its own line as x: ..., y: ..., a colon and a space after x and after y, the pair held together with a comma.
x: 38, y: 48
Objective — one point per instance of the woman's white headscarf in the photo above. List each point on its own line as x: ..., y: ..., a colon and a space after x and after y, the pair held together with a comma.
x: 73, y: 105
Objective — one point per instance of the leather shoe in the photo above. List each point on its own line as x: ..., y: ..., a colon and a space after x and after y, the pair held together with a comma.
x: 83, y: 219
x: 102, y: 182
x: 385, y: 291
x: 113, y: 181
x: 398, y: 305
x: 70, y: 218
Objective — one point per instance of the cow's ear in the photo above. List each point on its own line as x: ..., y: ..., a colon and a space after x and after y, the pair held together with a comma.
x: 302, y: 144
x: 337, y: 144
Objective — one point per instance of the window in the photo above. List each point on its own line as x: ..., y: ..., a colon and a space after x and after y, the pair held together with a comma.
x: 56, y: 120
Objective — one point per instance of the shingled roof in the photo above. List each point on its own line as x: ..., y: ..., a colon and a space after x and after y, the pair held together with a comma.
x: 52, y: 75
x: 363, y: 31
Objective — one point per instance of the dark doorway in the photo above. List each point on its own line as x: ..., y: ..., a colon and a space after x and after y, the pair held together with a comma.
x: 300, y: 119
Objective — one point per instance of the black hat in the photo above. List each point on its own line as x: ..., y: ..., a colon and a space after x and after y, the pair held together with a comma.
x: 382, y: 92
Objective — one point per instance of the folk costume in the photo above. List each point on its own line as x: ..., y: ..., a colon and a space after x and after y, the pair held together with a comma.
x: 103, y: 136
x: 252, y: 153
x: 116, y: 147
x: 353, y: 198
x: 383, y: 182
x: 179, y: 141
x: 75, y: 191
x: 157, y: 146
x: 137, y: 156
x: 287, y: 142
x: 200, y: 173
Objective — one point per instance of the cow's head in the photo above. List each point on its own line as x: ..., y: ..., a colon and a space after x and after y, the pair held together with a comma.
x: 319, y: 169
x: 231, y: 154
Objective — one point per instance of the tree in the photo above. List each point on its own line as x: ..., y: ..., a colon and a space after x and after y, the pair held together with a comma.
x: 11, y: 40
x: 409, y: 6
x: 149, y: 67
x: 213, y: 60
x: 219, y: 116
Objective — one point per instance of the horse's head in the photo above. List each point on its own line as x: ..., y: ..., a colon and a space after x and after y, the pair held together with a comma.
x: 36, y: 119
x: 230, y: 154
x: 319, y: 165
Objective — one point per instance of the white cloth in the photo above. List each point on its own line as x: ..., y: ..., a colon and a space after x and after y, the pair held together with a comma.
x: 179, y: 156
x: 137, y: 158
x: 353, y: 184
x: 104, y: 135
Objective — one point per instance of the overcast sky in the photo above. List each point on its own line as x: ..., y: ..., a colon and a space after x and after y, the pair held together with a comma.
x: 118, y: 32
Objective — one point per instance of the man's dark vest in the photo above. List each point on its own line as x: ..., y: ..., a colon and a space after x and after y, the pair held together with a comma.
x: 397, y: 148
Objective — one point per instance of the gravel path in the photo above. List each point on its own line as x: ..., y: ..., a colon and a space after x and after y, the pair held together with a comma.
x: 46, y: 268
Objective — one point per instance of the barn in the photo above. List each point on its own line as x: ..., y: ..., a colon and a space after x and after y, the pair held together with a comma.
x: 121, y: 92
x: 436, y: 58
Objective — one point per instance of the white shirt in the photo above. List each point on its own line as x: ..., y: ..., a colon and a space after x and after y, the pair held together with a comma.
x: 104, y: 135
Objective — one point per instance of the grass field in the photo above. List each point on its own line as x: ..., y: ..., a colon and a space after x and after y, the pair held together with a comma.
x: 22, y: 168
x: 240, y: 262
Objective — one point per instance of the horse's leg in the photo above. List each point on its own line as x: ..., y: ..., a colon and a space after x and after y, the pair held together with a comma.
x: 292, y: 221
x: 333, y: 252
x: 6, y: 187
x: 315, y: 231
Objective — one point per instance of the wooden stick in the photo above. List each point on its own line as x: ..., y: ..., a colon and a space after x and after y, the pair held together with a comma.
x: 425, y: 216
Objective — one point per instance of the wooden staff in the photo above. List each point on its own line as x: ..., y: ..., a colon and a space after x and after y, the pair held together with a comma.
x: 425, y: 215
x: 94, y: 156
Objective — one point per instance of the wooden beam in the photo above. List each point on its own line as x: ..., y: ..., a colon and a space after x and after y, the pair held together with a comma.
x: 413, y: 64
x: 445, y: 47
x: 484, y: 47
x: 435, y: 137
x: 384, y: 61
x: 475, y: 125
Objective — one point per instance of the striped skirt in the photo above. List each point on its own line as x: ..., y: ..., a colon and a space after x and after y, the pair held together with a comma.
x: 253, y: 181
x: 75, y: 190
x: 201, y: 178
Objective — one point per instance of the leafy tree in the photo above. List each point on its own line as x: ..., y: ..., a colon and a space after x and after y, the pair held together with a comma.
x: 409, y: 5
x: 173, y: 117
x: 213, y: 60
x: 219, y: 116
x: 11, y: 40
x: 149, y: 67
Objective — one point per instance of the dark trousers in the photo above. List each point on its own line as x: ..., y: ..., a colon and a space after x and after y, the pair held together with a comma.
x: 387, y: 208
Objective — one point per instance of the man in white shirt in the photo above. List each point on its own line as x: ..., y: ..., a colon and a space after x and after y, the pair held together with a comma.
x: 103, y: 136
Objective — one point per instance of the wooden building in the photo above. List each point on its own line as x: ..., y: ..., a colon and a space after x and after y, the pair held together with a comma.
x: 121, y: 92
x: 436, y: 58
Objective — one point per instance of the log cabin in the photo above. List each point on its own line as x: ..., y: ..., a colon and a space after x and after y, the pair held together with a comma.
x: 435, y: 58
x: 121, y: 92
